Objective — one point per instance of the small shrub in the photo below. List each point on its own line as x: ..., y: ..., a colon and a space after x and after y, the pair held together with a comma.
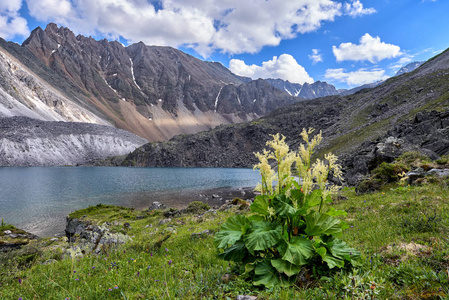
x: 444, y: 160
x: 368, y: 186
x: 390, y: 172
x: 412, y: 158
x: 197, y: 207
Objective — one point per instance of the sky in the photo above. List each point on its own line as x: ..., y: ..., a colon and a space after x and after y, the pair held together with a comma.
x: 345, y: 43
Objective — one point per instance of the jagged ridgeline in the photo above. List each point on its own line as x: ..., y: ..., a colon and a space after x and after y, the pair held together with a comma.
x: 353, y: 126
x: 155, y: 92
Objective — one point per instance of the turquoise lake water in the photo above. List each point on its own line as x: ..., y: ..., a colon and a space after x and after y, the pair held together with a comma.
x: 37, y: 199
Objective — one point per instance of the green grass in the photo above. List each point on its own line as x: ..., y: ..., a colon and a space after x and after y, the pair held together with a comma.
x: 160, y: 265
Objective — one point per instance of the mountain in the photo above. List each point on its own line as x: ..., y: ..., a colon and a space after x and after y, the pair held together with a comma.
x: 409, y: 67
x: 345, y: 92
x: 155, y: 92
x: 306, y: 90
x: 353, y: 126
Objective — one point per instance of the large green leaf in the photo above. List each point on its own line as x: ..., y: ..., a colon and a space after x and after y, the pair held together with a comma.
x: 283, y: 266
x: 314, y: 198
x: 333, y: 262
x: 321, y: 251
x: 283, y: 206
x: 318, y: 224
x: 262, y: 235
x: 341, y: 249
x: 268, y: 276
x: 231, y: 231
x: 297, y: 251
x: 236, y: 252
x: 260, y: 205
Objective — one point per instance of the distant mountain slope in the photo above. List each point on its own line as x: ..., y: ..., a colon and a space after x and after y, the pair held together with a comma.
x: 306, y: 90
x: 346, y: 122
x: 155, y: 92
x: 409, y: 67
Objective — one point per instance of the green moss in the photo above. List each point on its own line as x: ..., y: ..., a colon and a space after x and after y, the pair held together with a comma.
x: 101, y: 211
x: 197, y: 207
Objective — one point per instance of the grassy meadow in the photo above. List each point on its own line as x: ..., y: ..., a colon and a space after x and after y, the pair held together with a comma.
x: 400, y: 230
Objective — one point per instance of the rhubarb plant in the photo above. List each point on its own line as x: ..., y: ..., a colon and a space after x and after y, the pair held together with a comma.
x: 290, y: 227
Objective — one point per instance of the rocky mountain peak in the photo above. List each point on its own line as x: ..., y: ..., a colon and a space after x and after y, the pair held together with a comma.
x: 306, y: 90
x: 140, y: 87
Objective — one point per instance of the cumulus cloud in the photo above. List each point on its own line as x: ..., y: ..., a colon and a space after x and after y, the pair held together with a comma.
x: 370, y: 49
x: 285, y: 67
x: 11, y: 23
x: 355, y: 9
x: 355, y: 78
x: 231, y: 26
x: 315, y: 57
x: 44, y: 10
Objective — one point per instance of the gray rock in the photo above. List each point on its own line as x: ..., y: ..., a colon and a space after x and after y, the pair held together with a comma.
x: 439, y: 172
x: 157, y: 205
x: 246, y: 297
x: 49, y: 262
x: 165, y: 221
x: 201, y: 234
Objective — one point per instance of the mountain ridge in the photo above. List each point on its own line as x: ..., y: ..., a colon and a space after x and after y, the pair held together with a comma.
x: 347, y: 122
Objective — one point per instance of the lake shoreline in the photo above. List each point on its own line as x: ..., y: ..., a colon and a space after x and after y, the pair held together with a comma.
x: 213, y: 197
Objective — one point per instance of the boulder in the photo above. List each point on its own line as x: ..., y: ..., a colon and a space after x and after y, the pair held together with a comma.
x: 156, y: 205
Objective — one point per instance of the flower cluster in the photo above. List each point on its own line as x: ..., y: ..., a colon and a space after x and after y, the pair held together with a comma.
x: 309, y: 175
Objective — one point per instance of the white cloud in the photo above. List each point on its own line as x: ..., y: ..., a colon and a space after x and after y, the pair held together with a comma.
x: 370, y: 49
x: 355, y: 78
x: 11, y: 23
x: 231, y: 26
x: 44, y: 10
x: 284, y: 67
x: 316, y: 57
x: 10, y: 6
x: 355, y: 9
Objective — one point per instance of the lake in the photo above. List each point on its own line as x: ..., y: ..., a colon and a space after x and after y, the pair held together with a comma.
x: 37, y: 199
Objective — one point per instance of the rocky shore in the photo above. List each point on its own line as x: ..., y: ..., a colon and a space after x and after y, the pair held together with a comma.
x: 94, y: 236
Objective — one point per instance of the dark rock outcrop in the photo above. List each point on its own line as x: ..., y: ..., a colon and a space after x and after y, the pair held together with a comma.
x: 427, y: 133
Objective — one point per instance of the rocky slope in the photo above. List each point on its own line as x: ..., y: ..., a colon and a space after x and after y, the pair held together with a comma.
x: 347, y: 123
x: 31, y: 142
x: 23, y: 93
x: 155, y: 92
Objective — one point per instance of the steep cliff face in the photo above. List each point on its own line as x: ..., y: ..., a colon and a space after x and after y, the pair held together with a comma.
x: 22, y: 93
x: 30, y: 142
x: 140, y: 88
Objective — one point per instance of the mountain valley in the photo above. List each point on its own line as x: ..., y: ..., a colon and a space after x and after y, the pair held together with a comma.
x: 194, y: 113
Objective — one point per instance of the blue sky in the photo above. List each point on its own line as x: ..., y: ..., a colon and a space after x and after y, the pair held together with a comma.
x: 346, y: 43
